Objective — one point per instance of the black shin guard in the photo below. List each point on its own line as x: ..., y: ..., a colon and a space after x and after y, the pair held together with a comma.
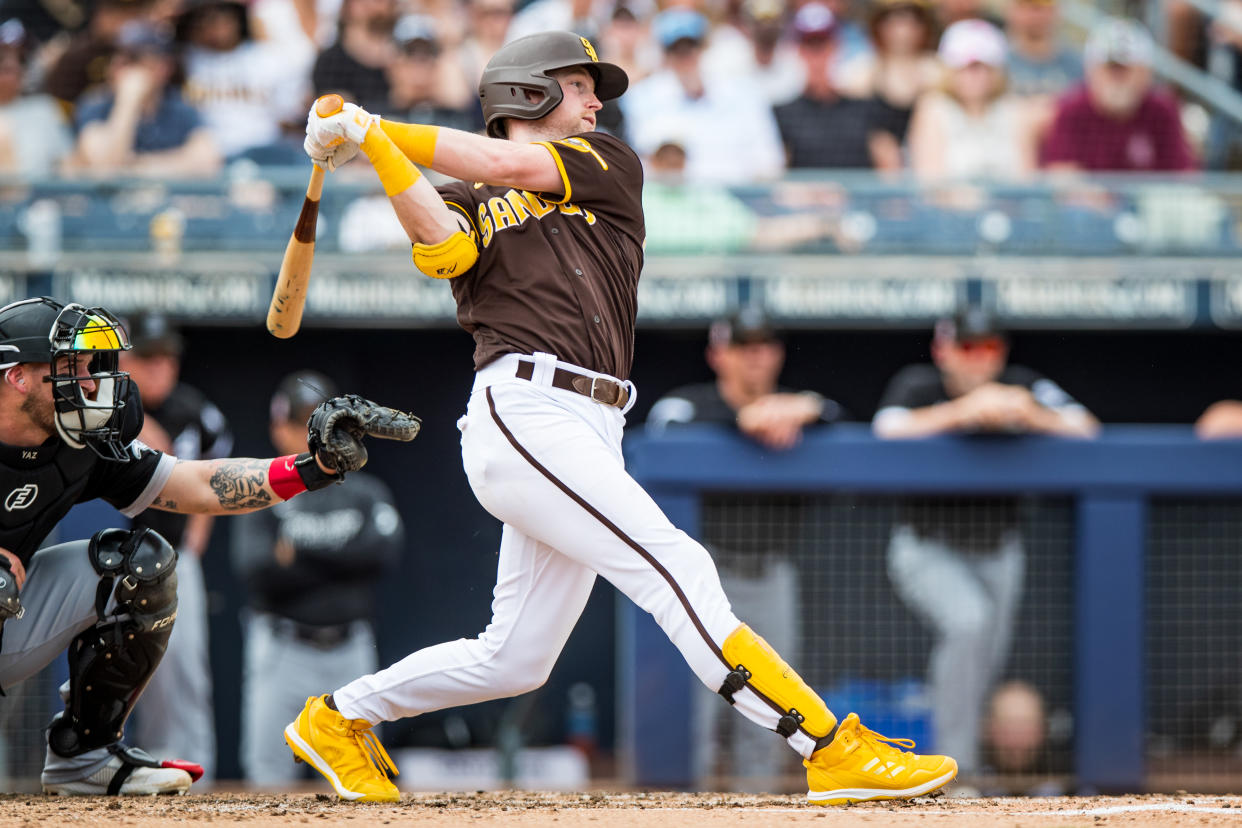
x: 110, y: 664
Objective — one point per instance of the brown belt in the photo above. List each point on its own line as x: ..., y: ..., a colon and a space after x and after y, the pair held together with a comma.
x: 603, y: 391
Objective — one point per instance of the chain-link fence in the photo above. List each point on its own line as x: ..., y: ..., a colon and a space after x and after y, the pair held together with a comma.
x: 946, y: 620
x: 1194, y: 643
x: 25, y: 711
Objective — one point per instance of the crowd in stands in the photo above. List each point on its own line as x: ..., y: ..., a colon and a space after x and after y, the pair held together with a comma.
x: 745, y: 89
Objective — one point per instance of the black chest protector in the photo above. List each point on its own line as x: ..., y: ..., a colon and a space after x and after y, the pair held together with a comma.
x: 40, y: 484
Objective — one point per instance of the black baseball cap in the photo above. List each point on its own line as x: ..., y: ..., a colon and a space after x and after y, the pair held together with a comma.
x: 747, y: 326
x: 153, y: 334
x: 969, y: 323
x: 299, y: 393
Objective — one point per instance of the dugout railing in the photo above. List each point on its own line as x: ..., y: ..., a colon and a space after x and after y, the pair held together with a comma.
x: 1152, y: 524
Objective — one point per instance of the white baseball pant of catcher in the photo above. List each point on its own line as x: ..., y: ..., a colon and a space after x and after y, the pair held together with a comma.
x: 548, y: 464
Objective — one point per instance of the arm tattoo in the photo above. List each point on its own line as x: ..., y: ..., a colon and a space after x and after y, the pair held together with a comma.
x: 162, y: 503
x: 241, y: 484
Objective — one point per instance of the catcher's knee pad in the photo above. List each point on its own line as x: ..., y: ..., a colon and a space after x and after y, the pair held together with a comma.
x: 110, y: 664
x: 753, y: 662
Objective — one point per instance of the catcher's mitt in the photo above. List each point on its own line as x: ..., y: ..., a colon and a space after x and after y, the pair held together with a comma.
x: 336, y: 428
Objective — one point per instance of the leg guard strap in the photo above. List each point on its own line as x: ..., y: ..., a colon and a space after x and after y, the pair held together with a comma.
x: 734, y: 682
x: 131, y: 758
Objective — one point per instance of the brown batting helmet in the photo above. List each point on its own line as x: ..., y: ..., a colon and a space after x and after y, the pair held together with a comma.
x: 523, y: 66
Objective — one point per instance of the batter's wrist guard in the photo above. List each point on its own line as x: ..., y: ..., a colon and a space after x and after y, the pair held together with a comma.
x: 395, y: 171
x: 312, y: 476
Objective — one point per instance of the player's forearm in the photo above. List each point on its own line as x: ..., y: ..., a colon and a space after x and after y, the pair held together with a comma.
x: 106, y: 146
x: 1073, y: 422
x: 423, y: 214
x: 470, y: 157
x: 234, y: 485
x: 905, y: 424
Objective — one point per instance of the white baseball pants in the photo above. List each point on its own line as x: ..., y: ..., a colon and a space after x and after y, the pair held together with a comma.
x: 548, y: 464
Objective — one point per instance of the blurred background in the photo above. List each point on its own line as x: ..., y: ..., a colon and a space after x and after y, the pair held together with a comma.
x: 848, y: 187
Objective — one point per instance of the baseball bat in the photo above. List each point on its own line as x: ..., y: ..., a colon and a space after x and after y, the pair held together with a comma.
x: 284, y: 316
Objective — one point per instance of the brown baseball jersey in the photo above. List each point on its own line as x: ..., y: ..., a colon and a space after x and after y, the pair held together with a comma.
x: 557, y: 273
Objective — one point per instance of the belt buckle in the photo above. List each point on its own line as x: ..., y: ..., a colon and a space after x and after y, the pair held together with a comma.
x: 599, y: 400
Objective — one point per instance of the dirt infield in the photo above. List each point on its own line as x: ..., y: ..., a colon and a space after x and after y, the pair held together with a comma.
x: 599, y: 810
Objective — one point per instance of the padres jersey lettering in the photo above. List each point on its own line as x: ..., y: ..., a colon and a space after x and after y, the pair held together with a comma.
x: 591, y: 236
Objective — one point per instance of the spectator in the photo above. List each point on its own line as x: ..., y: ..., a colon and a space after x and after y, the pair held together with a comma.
x: 246, y: 88
x: 852, y: 40
x: 960, y: 564
x: 33, y: 133
x: 44, y: 21
x: 426, y: 86
x: 583, y: 17
x: 704, y: 218
x: 756, y: 47
x: 1041, y: 65
x: 175, y: 718
x: 949, y: 12
x: 627, y: 42
x: 821, y: 128
x: 734, y: 138
x: 762, y: 582
x: 1221, y: 421
x: 972, y: 129
x: 354, y: 66
x: 310, y: 568
x: 902, y: 67
x: 83, y: 66
x: 1117, y: 120
x: 488, y: 30
x: 141, y: 125
x: 1016, y: 742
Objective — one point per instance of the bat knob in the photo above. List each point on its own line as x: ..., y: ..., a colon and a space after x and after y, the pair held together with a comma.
x: 328, y: 105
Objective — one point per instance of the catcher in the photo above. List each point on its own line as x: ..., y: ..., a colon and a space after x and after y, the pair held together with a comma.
x: 68, y: 424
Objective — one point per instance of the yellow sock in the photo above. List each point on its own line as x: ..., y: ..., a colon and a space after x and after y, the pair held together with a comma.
x: 395, y: 171
x: 417, y: 141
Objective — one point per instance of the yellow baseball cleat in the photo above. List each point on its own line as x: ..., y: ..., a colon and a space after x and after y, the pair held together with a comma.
x: 860, y: 765
x: 345, y: 751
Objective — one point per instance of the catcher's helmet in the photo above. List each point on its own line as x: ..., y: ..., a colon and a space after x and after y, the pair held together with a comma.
x: 90, y: 340
x: 523, y: 65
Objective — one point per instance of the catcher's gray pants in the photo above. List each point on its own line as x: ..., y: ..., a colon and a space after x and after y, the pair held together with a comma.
x: 59, y: 599
x: 280, y: 672
x: 176, y: 715
x: 970, y: 601
x: 724, y: 744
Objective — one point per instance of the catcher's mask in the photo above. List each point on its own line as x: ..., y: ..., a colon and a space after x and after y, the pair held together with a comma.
x: 523, y: 66
x: 82, y: 347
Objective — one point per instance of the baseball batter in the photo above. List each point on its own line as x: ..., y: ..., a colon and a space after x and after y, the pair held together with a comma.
x: 542, y: 238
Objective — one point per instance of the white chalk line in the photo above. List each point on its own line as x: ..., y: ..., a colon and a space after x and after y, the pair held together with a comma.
x: 1111, y: 810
